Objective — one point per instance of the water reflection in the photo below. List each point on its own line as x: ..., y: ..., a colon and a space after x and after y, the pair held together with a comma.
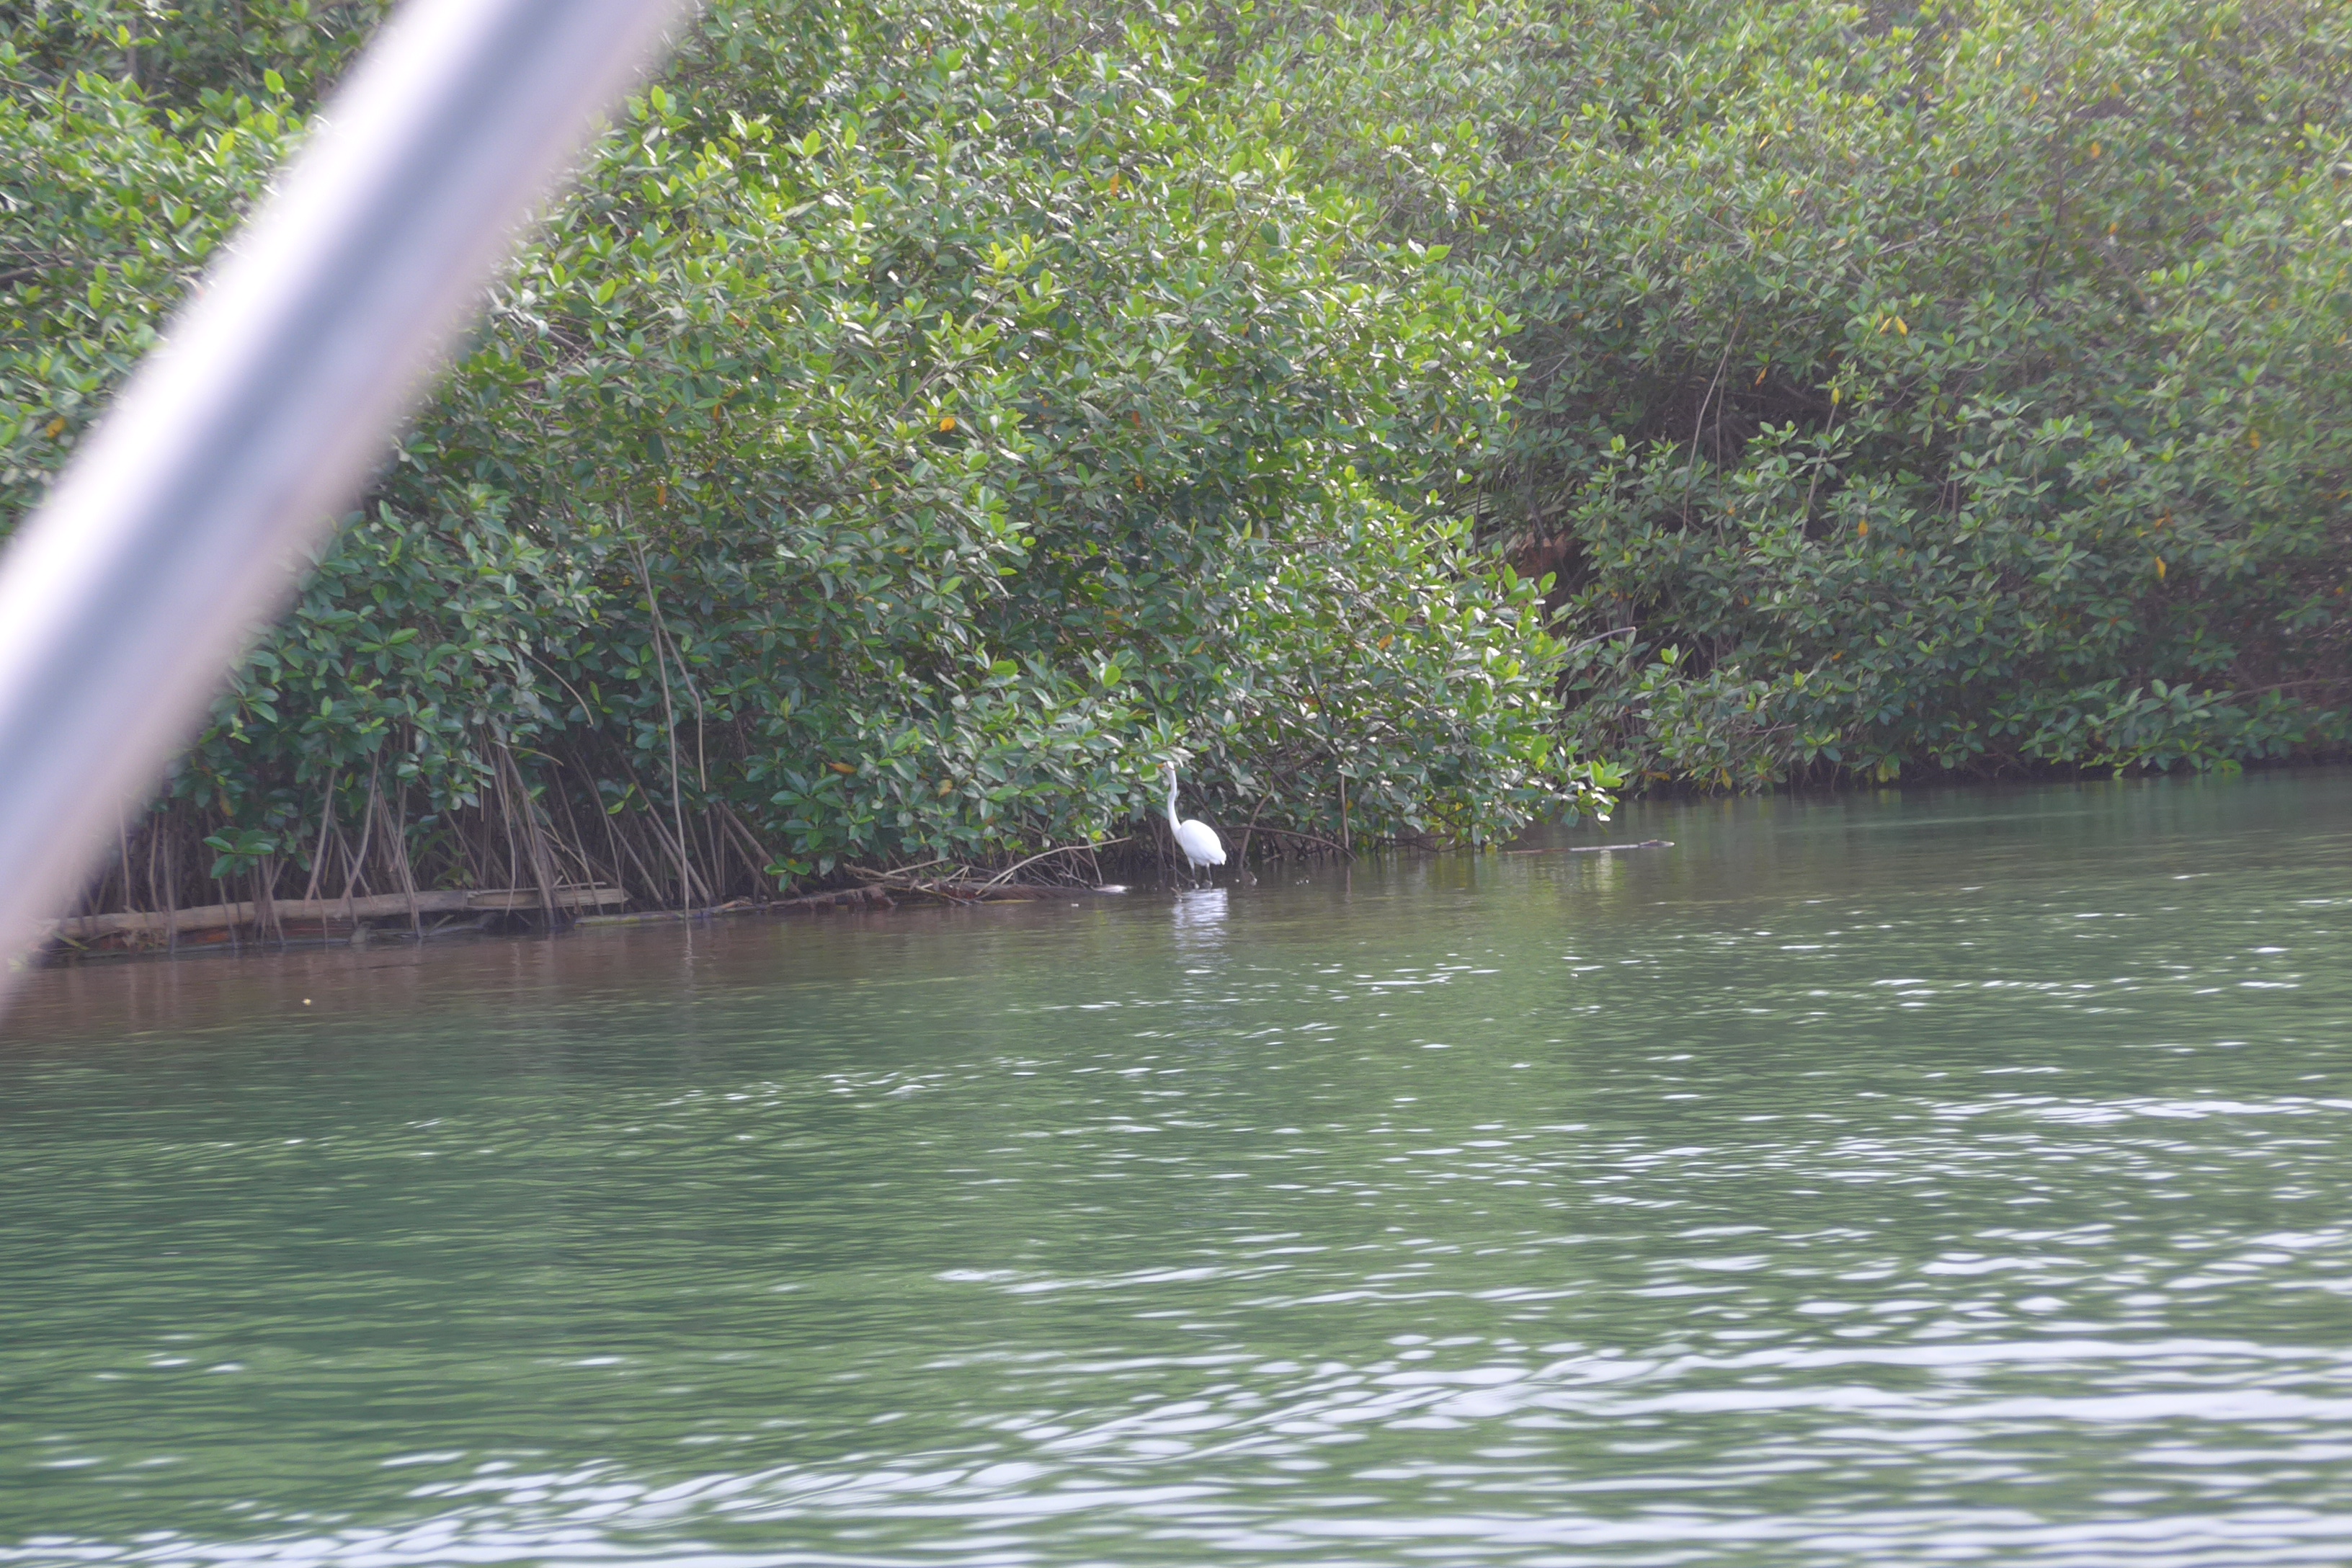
x: 1200, y: 917
x: 1863, y: 1182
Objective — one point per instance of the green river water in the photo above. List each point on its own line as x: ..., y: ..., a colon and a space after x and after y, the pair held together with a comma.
x: 1920, y: 1178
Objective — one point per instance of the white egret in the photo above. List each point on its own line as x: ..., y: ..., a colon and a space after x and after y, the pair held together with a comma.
x: 1198, y: 840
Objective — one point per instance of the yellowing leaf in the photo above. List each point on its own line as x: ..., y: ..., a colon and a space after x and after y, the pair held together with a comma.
x: 2159, y: 568
x: 56, y: 428
x: 841, y: 767
x: 1862, y: 529
x: 947, y: 422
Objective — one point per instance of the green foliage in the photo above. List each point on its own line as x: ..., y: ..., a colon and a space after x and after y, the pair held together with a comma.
x: 192, y: 57
x: 1955, y: 387
x: 913, y: 433
x: 924, y: 423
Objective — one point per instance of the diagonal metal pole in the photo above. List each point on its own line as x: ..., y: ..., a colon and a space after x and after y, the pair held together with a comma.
x: 179, y: 528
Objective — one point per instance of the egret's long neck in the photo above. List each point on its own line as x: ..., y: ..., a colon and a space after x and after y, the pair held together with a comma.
x: 1171, y: 797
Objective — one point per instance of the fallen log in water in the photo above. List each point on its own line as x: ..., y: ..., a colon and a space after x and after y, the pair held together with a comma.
x: 310, y: 918
x: 846, y: 897
x: 952, y: 889
x: 970, y: 891
x: 323, y: 911
x: 843, y: 899
x: 872, y: 896
x: 1595, y: 849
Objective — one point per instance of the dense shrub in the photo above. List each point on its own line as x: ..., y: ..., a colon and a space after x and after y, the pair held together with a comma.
x: 1955, y: 386
x: 914, y: 432
x: 925, y: 422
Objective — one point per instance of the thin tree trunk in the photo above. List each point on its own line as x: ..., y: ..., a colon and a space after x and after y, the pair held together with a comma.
x: 265, y: 906
x: 762, y: 859
x: 318, y: 855
x: 513, y: 877
x: 636, y: 859
x: 651, y: 816
x: 1241, y: 859
x: 579, y: 841
x: 396, y: 828
x: 367, y: 831
x: 532, y: 840
x: 669, y: 724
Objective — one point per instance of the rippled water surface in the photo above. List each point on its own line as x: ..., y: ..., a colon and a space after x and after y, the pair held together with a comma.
x: 1918, y: 1178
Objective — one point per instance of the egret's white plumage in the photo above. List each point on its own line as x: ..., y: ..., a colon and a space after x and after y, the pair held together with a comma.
x: 1198, y: 840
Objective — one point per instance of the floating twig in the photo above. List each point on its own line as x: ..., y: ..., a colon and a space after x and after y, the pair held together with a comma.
x: 1594, y: 848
